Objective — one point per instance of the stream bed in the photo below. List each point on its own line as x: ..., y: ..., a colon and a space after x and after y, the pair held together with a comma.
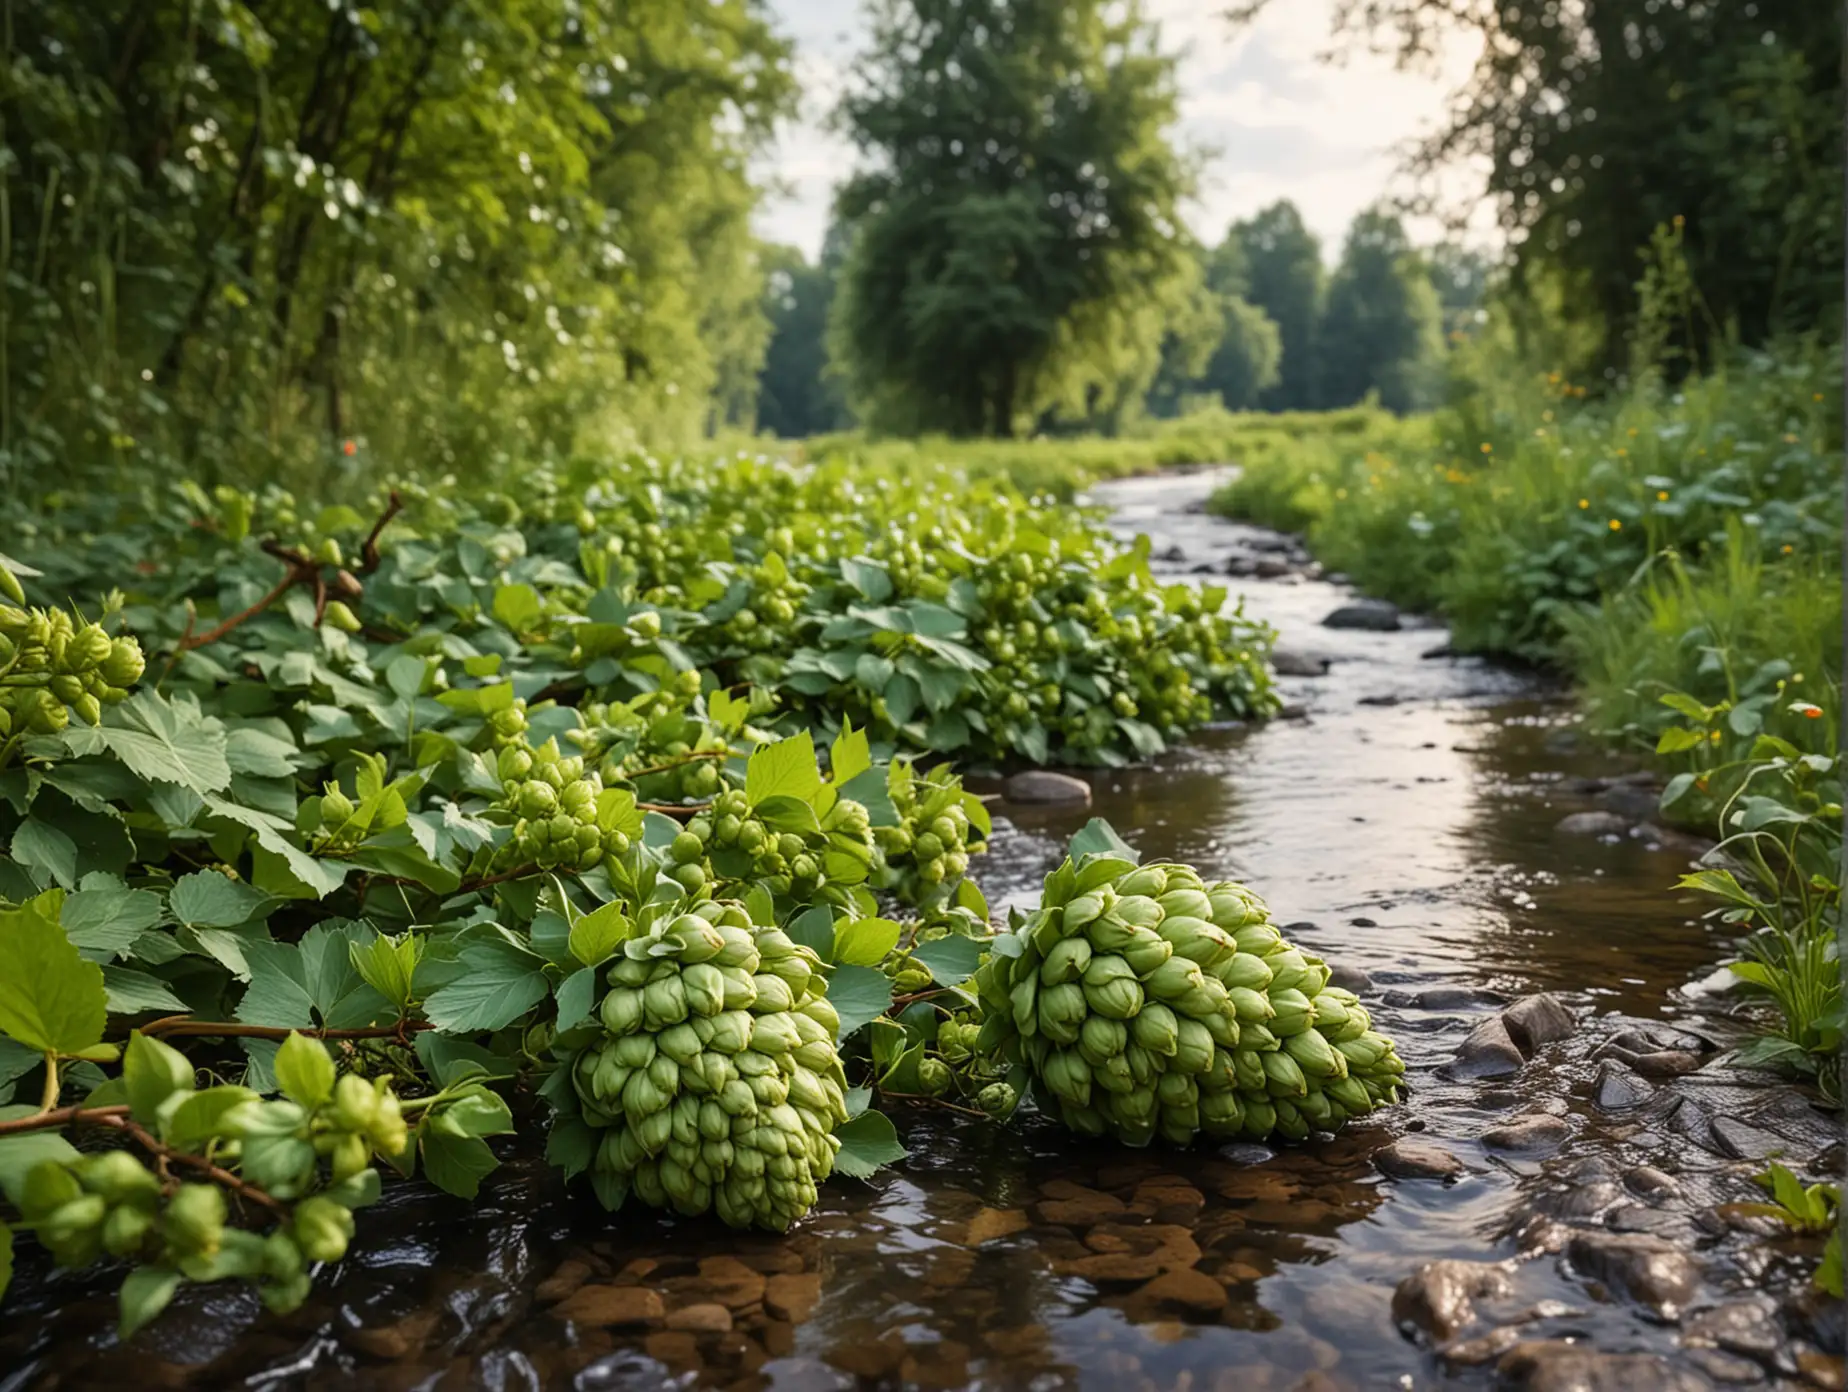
x: 1404, y: 821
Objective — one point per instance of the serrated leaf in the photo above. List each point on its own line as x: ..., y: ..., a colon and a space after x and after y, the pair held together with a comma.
x: 868, y: 1143
x: 132, y: 992
x: 18, y: 1154
x: 597, y: 934
x: 950, y: 960
x: 864, y: 942
x: 51, y: 999
x: 146, y: 1291
x: 196, y: 1120
x: 207, y: 899
x: 577, y: 993
x: 456, y: 1164
x: 168, y: 741
x: 785, y: 769
x: 859, y: 995
x: 1098, y: 837
x: 40, y: 846
x: 849, y: 756
x: 499, y: 983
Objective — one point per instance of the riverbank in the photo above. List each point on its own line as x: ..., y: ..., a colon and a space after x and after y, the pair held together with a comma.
x: 1404, y: 821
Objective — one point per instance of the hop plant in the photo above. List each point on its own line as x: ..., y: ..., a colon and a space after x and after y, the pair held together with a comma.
x: 54, y: 665
x: 562, y: 816
x: 927, y: 851
x: 715, y: 1082
x: 1153, y: 1003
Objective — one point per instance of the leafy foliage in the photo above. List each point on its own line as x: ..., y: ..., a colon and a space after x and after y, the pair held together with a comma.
x: 1017, y: 245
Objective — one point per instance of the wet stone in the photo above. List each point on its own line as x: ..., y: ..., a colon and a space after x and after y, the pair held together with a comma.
x: 1247, y: 1153
x: 1724, y: 1368
x: 729, y: 1282
x: 605, y: 1305
x: 792, y: 1298
x: 1648, y: 1270
x: 1287, y: 662
x: 1547, y: 1366
x: 1739, y: 1141
x: 1592, y: 824
x: 1484, y: 1348
x: 1046, y: 787
x: 1824, y: 1370
x: 1488, y: 1052
x: 1536, y: 1020
x: 1652, y: 1185
x: 1438, y: 1299
x: 1444, y: 998
x: 1373, y: 615
x: 1185, y: 1289
x: 701, y: 1319
x: 1414, y: 1157
x: 1350, y: 978
x: 1749, y: 1328
x: 1076, y: 1206
x: 570, y: 1274
x: 1618, y: 1089
x: 1665, y: 1063
x: 993, y: 1223
x: 1589, y: 1199
x: 1531, y: 1133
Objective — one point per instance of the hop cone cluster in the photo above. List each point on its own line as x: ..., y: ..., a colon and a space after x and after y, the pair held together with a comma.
x: 56, y: 666
x: 559, y: 814
x: 1154, y: 1003
x: 716, y: 1079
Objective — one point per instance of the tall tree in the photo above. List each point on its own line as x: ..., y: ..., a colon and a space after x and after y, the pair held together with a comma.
x: 797, y: 395
x: 1601, y: 120
x: 1225, y: 348
x: 1016, y: 239
x: 1283, y: 277
x: 1381, y: 329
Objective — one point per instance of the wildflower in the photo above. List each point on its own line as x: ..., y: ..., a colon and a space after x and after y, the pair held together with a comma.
x: 1584, y: 503
x: 1661, y: 495
x: 1487, y: 448
x: 1790, y: 439
x: 1713, y: 736
x: 1616, y: 526
x: 1623, y: 454
x: 1788, y: 548
x: 1815, y: 396
x: 349, y: 448
x: 1701, y: 783
x: 1632, y: 432
x: 1805, y: 709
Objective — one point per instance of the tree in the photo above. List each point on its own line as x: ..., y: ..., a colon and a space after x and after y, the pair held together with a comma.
x: 451, y: 231
x: 797, y: 397
x: 1381, y: 328
x: 1283, y: 277
x: 1016, y: 242
x: 1602, y: 120
x: 1226, y: 347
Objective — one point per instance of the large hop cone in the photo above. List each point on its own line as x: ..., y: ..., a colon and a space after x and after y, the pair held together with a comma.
x: 716, y: 1081
x: 1153, y: 1003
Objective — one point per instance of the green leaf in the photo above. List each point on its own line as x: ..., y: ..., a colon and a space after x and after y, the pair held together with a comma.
x: 207, y: 899
x: 869, y: 578
x: 577, y: 993
x: 197, y: 1120
x: 18, y: 1154
x: 168, y: 742
x: 145, y: 1293
x: 868, y: 1143
x: 151, y: 1073
x: 499, y: 983
x: 131, y: 992
x: 859, y: 995
x: 51, y: 999
x: 456, y: 1164
x: 389, y: 965
x: 1678, y: 738
x: 813, y: 928
x: 784, y: 769
x: 1686, y: 705
x: 571, y: 1146
x: 864, y: 942
x: 1720, y: 884
x: 1098, y: 837
x: 304, y: 1070
x: 950, y: 960
x: 480, y: 1112
x: 6, y: 1259
x: 313, y: 982
x: 518, y: 607
x: 40, y: 846
x: 850, y: 755
x: 596, y: 935
x: 105, y: 916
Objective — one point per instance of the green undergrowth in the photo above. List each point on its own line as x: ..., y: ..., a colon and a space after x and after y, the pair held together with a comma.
x: 1676, y: 549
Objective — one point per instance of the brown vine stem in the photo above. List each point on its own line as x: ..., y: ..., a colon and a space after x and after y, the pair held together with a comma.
x: 180, y: 1026
x: 674, y: 809
x: 934, y: 1102
x: 369, y: 549
x: 60, y: 1116
x: 168, y: 1155
x: 679, y: 763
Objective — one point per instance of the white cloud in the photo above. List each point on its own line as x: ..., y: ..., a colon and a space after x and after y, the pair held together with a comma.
x: 1278, y: 122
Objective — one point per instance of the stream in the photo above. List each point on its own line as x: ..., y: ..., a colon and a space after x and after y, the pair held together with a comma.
x: 1403, y: 820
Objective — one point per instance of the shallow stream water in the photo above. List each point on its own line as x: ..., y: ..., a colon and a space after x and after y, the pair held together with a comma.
x: 1403, y: 821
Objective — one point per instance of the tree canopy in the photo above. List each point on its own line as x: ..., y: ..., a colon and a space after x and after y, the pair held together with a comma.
x: 1015, y: 245
x: 1283, y: 277
x: 1381, y: 328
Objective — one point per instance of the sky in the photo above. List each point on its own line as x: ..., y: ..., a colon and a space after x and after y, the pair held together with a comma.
x: 1283, y: 124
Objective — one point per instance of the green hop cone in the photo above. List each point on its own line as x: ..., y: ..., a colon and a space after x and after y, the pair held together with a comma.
x: 1159, y: 1005
x: 715, y: 1085
x: 322, y: 1229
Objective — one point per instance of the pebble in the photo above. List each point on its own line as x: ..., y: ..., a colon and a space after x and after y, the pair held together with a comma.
x: 1286, y: 662
x: 1531, y: 1133
x: 1415, y: 1157
x: 1651, y: 1184
x: 1350, y: 978
x: 730, y: 1282
x: 994, y: 1223
x: 1648, y: 1270
x: 701, y: 1319
x: 1617, y: 1088
x: 1488, y: 1052
x: 1536, y: 1020
x: 1046, y: 786
x: 792, y: 1297
x: 1742, y: 1142
x: 1187, y: 1289
x: 1438, y: 1299
x: 1549, y: 1366
x: 604, y: 1305
x: 1592, y: 824
x: 1749, y: 1328
x: 1374, y: 615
